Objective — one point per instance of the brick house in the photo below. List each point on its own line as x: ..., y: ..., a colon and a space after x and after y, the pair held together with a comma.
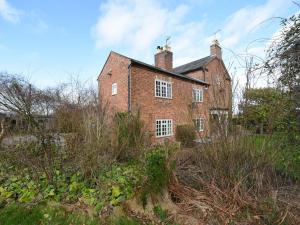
x: 197, y: 93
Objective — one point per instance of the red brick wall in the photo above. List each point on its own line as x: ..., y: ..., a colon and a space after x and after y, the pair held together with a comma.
x: 117, y: 66
x: 220, y: 95
x: 215, y: 50
x: 152, y: 108
x: 164, y: 60
x: 177, y: 108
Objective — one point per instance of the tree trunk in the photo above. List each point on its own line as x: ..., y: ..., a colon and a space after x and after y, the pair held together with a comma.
x: 2, y: 131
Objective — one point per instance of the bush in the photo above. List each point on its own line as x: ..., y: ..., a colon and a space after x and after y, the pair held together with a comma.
x: 129, y: 136
x: 158, y: 170
x: 186, y: 134
x: 69, y: 118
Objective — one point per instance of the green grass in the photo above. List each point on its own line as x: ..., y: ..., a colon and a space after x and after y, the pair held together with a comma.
x: 52, y: 214
x: 287, y: 155
x: 43, y: 214
x: 125, y: 221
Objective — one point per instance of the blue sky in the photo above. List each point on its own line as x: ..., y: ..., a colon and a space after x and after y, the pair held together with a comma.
x: 50, y: 40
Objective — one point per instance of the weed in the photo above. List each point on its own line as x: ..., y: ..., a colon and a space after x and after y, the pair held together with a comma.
x: 160, y: 213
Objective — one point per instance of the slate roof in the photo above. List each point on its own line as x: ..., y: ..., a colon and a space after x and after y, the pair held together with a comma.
x: 192, y: 65
x: 134, y: 61
x: 168, y: 72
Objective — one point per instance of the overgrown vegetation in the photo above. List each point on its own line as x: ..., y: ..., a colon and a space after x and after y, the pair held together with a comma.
x: 130, y: 138
x: 96, y: 160
x: 186, y: 134
x: 237, y: 178
x: 43, y: 214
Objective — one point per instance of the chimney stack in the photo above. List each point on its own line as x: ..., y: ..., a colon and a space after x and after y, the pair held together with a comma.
x: 215, y: 49
x: 164, y: 57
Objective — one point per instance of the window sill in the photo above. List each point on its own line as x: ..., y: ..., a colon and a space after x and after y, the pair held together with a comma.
x: 198, y: 102
x: 169, y: 135
x: 163, y: 97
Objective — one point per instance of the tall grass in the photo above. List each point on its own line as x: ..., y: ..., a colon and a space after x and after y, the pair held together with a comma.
x: 239, y: 177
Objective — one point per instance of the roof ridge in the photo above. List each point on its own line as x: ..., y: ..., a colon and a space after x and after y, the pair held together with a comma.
x: 161, y: 69
x: 193, y: 61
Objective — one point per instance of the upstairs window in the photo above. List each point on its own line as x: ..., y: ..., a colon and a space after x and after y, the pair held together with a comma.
x: 114, y: 89
x: 199, y: 124
x: 163, y: 89
x: 164, y: 128
x: 197, y: 95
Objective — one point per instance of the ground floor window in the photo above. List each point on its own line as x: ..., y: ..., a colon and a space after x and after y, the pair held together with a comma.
x: 199, y: 124
x: 164, y: 127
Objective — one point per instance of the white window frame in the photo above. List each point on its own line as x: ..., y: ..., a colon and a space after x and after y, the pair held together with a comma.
x: 199, y: 124
x: 163, y: 89
x: 164, y: 127
x: 198, y: 94
x: 114, y: 89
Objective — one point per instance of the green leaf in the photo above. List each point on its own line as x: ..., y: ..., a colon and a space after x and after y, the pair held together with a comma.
x: 116, y: 192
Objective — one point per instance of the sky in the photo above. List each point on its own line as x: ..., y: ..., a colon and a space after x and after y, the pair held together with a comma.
x: 49, y: 41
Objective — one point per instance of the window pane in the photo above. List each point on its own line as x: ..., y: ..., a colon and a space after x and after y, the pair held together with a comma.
x: 164, y: 90
x: 163, y: 128
x: 169, y: 127
x: 158, y: 128
x: 114, y: 89
x: 157, y: 88
x: 201, y: 96
x: 201, y: 125
x: 194, y: 95
x: 197, y: 95
x: 169, y: 90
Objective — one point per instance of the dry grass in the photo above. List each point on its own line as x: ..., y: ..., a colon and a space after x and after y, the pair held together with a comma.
x: 233, y: 182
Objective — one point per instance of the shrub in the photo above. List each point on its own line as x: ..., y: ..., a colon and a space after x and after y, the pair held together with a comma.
x: 129, y: 136
x: 69, y: 118
x: 156, y: 170
x: 186, y: 134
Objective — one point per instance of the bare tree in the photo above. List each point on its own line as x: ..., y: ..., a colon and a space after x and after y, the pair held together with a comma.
x: 18, y: 96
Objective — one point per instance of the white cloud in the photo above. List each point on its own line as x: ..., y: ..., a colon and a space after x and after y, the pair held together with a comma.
x: 248, y: 20
x: 134, y: 22
x: 8, y: 12
x: 137, y: 26
x: 140, y: 25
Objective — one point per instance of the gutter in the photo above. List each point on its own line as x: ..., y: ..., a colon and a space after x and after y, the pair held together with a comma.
x: 129, y: 88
